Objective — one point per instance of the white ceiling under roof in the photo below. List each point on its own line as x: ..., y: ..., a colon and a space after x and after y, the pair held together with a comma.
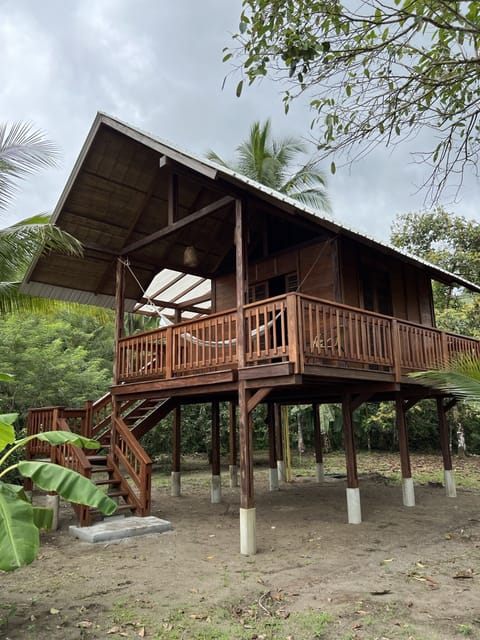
x: 171, y: 290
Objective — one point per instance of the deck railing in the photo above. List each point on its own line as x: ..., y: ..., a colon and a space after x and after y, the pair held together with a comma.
x: 296, y: 328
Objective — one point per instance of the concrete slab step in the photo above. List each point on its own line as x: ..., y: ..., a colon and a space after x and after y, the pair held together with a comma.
x: 119, y: 527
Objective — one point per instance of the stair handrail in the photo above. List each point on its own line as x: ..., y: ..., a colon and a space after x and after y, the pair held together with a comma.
x: 74, y: 458
x: 99, y: 426
x: 127, y: 451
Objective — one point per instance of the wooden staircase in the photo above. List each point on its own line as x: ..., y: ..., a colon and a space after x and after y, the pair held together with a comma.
x: 121, y: 466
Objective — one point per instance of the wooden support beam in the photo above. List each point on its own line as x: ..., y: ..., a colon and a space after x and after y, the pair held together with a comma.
x: 257, y: 398
x: 215, y: 438
x: 402, y: 436
x: 232, y: 434
x: 411, y: 403
x: 172, y: 198
x: 240, y: 275
x: 272, y: 453
x: 357, y: 401
x: 176, y: 439
x: 277, y: 412
x: 246, y: 449
x: 317, y: 433
x: 444, y: 435
x: 180, y: 224
x: 450, y: 404
x: 119, y: 315
x: 349, y: 443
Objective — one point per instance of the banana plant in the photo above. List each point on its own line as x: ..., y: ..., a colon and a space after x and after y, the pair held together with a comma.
x: 20, y: 521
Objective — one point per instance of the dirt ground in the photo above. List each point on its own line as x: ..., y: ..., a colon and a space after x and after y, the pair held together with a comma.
x: 410, y: 573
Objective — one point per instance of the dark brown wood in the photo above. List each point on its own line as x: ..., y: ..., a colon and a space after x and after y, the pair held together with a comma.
x: 172, y: 198
x: 233, y: 454
x: 247, y: 499
x: 401, y: 422
x: 349, y: 443
x: 177, y: 226
x: 257, y: 397
x: 270, y: 420
x: 444, y: 435
x: 215, y: 438
x: 360, y: 399
x: 176, y: 438
x: 240, y: 280
x: 119, y: 316
x: 317, y: 433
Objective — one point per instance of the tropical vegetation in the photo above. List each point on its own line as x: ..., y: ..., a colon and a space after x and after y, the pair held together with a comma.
x: 374, y: 73
x: 275, y: 163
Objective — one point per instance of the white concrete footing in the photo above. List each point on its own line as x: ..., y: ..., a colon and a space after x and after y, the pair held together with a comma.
x: 282, y: 476
x: 408, y: 492
x: 449, y: 481
x: 319, y: 472
x: 53, y: 502
x: 216, y: 489
x: 248, y: 535
x: 273, y: 479
x: 233, y: 471
x: 176, y: 489
x: 354, y: 509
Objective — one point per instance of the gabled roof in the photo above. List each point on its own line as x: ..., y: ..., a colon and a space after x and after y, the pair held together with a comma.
x: 116, y: 203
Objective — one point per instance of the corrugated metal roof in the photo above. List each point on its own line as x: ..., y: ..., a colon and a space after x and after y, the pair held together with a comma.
x: 210, y: 168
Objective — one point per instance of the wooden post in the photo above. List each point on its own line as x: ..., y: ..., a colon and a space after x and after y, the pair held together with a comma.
x: 272, y: 454
x: 353, y: 491
x: 448, y: 476
x: 233, y: 469
x: 292, y: 332
x: 87, y: 423
x: 407, y: 481
x: 277, y: 413
x: 119, y: 315
x: 216, y: 492
x: 176, y: 489
x: 248, y: 545
x: 396, y: 350
x: 317, y: 432
x: 240, y: 281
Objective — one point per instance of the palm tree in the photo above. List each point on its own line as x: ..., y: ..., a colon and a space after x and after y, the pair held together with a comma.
x: 271, y: 161
x: 22, y: 151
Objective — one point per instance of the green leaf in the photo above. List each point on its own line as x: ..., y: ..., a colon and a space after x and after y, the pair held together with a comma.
x: 42, y: 517
x: 67, y: 483
x: 333, y: 168
x: 64, y: 437
x: 7, y: 431
x: 6, y: 377
x: 239, y: 89
x: 19, y: 537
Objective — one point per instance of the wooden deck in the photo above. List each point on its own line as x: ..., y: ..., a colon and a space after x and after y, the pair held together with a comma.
x: 307, y: 335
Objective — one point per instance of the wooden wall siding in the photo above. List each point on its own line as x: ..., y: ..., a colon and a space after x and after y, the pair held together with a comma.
x: 317, y: 275
x: 295, y: 328
x: 224, y: 292
x: 410, y: 287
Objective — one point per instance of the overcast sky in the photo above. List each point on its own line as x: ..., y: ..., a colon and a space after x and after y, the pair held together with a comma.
x: 157, y: 64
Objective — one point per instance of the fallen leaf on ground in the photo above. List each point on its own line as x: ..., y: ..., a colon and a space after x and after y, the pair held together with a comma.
x: 283, y: 613
x: 463, y: 575
x: 199, y: 616
x: 54, y: 611
x: 142, y: 632
x: 85, y: 624
x: 382, y: 592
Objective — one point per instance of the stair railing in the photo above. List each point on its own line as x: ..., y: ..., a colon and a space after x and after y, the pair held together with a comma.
x: 127, y: 452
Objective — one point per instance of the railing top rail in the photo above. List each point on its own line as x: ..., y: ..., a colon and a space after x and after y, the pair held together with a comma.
x: 105, y: 399
x: 133, y: 443
x: 78, y: 452
x: 46, y: 408
x: 346, y: 307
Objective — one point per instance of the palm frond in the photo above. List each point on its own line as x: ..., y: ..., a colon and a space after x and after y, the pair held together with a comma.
x: 461, y: 378
x: 23, y: 150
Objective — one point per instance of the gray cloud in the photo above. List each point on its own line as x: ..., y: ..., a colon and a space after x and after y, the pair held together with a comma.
x: 157, y: 65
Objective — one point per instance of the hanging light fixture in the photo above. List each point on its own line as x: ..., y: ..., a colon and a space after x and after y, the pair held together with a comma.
x: 190, y: 256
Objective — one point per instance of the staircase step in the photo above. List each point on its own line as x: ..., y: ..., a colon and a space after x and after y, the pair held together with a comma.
x: 111, y: 481
x: 117, y: 494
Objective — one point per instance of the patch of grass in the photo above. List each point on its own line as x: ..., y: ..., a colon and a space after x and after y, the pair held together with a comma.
x: 465, y: 629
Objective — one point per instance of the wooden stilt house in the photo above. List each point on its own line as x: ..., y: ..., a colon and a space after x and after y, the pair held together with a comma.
x: 265, y: 301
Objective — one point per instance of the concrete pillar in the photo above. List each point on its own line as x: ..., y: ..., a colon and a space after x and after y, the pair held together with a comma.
x: 408, y: 492
x: 354, y: 509
x: 216, y: 489
x: 248, y: 536
x: 273, y: 479
x: 233, y: 472
x: 52, y: 501
x: 449, y: 482
x: 176, y: 488
x: 319, y: 472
